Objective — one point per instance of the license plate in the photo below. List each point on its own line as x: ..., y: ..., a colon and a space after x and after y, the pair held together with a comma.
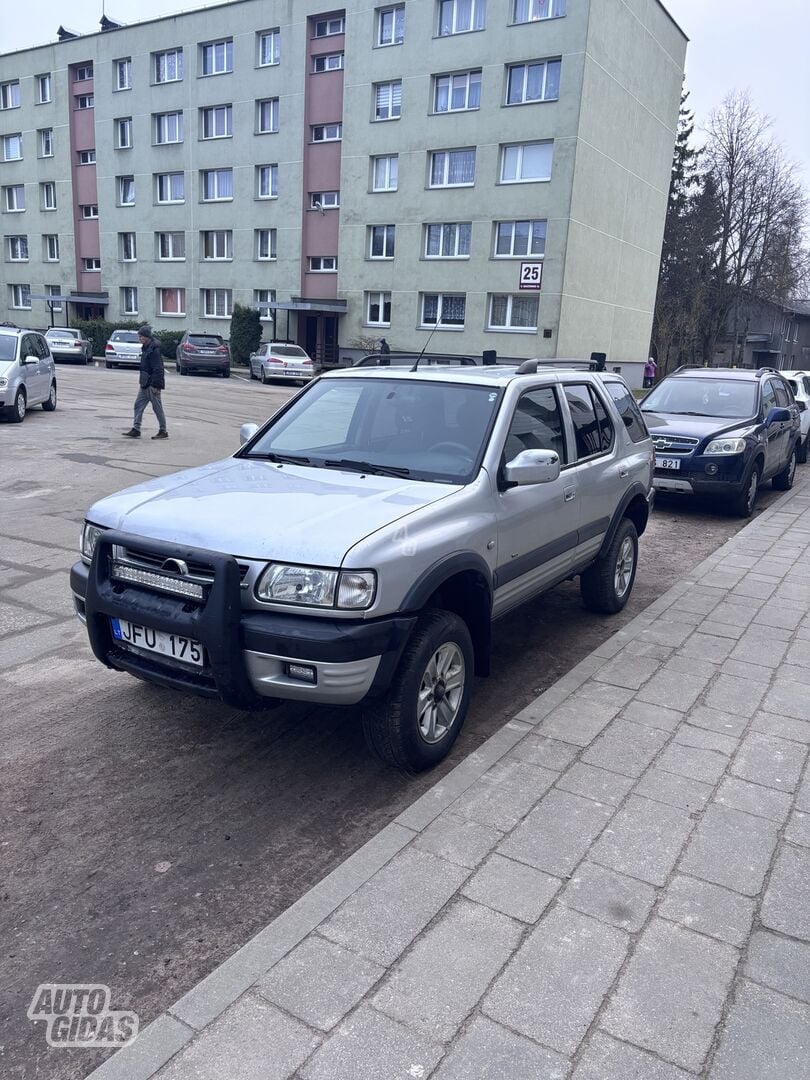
x: 667, y: 462
x: 182, y: 649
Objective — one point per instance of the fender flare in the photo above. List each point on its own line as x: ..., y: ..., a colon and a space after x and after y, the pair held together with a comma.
x: 632, y: 492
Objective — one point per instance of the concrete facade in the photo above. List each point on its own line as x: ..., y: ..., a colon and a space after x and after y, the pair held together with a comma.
x: 604, y: 139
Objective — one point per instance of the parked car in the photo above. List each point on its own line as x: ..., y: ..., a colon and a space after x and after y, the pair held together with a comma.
x: 800, y: 385
x: 66, y: 343
x: 27, y: 373
x: 281, y: 360
x: 123, y: 349
x: 723, y: 432
x: 409, y: 359
x: 403, y: 512
x: 203, y: 352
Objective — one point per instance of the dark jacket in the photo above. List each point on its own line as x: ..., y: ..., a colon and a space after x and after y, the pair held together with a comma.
x: 152, y: 372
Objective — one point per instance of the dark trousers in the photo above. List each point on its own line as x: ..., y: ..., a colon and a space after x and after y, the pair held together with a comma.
x: 147, y: 395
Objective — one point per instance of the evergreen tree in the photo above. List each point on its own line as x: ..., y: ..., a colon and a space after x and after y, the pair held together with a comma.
x: 246, y: 332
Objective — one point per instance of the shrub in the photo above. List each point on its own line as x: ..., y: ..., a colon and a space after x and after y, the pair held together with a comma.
x: 246, y: 333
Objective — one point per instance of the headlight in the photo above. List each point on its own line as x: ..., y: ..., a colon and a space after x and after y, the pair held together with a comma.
x: 725, y: 446
x: 90, y: 535
x: 311, y: 587
x: 3, y: 383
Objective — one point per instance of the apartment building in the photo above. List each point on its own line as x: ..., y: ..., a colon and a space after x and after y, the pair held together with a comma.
x: 492, y: 172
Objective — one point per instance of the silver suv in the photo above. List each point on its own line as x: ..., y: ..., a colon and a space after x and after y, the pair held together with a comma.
x: 27, y: 373
x: 358, y: 547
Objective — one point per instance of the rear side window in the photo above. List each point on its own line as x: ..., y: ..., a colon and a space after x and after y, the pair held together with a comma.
x: 536, y: 425
x: 592, y: 426
x: 628, y: 410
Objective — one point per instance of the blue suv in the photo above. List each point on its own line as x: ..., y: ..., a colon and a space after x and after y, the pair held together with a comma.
x: 723, y: 431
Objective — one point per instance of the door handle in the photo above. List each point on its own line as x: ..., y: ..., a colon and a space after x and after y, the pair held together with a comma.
x: 569, y: 494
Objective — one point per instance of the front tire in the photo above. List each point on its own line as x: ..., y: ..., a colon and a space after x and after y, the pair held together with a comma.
x: 17, y: 413
x: 419, y: 719
x: 49, y: 405
x: 606, y: 586
x: 742, y: 505
x: 801, y: 450
x: 783, y: 481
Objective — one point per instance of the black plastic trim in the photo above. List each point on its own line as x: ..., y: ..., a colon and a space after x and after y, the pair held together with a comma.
x: 436, y: 575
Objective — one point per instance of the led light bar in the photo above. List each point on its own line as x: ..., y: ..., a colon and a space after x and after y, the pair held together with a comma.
x: 152, y: 580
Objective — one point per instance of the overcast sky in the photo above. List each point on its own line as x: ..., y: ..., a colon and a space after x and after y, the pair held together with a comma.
x: 734, y: 44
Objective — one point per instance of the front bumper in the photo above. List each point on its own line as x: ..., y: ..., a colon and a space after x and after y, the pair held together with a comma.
x: 695, y: 476
x: 247, y: 653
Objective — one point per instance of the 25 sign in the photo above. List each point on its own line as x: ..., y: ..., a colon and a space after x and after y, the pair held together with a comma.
x: 531, y: 275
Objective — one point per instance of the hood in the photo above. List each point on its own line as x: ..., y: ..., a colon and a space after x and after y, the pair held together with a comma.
x: 696, y: 427
x: 260, y: 510
x: 5, y: 365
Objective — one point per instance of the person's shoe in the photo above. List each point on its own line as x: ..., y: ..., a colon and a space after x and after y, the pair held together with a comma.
x: 161, y: 435
x: 133, y: 433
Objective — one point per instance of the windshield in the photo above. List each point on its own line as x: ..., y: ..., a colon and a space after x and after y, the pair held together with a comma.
x: 124, y: 335
x: 288, y: 350
x: 727, y: 398
x: 425, y: 430
x: 8, y: 347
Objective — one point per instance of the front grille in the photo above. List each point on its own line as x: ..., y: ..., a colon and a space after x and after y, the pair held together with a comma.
x: 154, y: 572
x: 147, y: 560
x: 674, y: 445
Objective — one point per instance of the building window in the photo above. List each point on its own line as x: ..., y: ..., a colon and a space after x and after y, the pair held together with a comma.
x: 452, y: 168
x: 122, y: 74
x: 381, y: 241
x: 216, y: 184
x: 171, y: 246
x: 388, y: 100
x: 83, y: 73
x: 84, y: 101
x: 461, y: 16
x: 267, y: 116
x: 51, y: 247
x: 449, y: 240
x: 47, y: 195
x: 329, y: 27
x: 12, y: 147
x: 21, y: 297
x: 327, y: 132
x: 265, y: 244
x: 524, y: 11
x: 269, y: 42
x: 89, y: 211
x: 216, y: 57
x: 443, y: 309
x: 216, y: 244
x: 537, y: 81
x: 378, y: 308
x: 216, y: 122
x: 324, y: 200
x: 385, y: 172
x: 167, y: 66
x: 216, y: 303
x: 129, y: 300
x: 123, y: 133
x: 43, y: 88
x: 46, y: 142
x: 330, y: 62
x: 17, y: 248
x: 14, y: 198
x: 86, y: 157
x: 168, y: 127
x: 456, y: 93
x: 322, y: 264
x: 126, y: 190
x: 267, y: 181
x: 170, y: 187
x: 517, y: 239
x: 391, y: 25
x: 91, y: 265
x: 54, y: 290
x: 10, y: 94
x: 171, y: 301
x: 127, y: 246
x: 262, y: 299
x: 523, y: 163
x: 513, y: 312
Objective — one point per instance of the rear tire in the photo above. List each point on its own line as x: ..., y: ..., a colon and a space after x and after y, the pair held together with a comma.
x: 801, y: 450
x: 414, y: 726
x: 183, y: 370
x: 265, y: 380
x: 226, y: 374
x: 783, y: 481
x: 742, y: 505
x: 109, y: 365
x: 606, y: 586
x: 49, y: 405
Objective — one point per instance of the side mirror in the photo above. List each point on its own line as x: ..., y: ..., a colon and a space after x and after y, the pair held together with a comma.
x: 246, y: 433
x: 802, y: 405
x: 30, y: 359
x: 533, y: 467
x: 778, y: 416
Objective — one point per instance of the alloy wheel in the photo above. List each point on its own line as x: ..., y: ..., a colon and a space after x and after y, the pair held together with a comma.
x: 624, y: 567
x: 440, y: 692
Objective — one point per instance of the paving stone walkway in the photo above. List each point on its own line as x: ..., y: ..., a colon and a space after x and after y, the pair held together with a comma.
x: 615, y: 887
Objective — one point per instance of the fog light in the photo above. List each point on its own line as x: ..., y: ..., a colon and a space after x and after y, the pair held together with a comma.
x: 711, y: 469
x: 302, y: 672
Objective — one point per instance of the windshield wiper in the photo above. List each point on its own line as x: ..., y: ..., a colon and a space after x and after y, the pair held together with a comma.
x: 366, y: 467
x: 282, y: 459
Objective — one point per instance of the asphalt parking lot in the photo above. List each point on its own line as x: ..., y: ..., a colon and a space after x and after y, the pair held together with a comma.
x: 144, y: 835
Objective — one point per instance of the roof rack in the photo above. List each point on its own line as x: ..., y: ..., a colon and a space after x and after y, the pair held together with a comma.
x: 724, y: 367
x: 767, y: 371
x: 529, y: 367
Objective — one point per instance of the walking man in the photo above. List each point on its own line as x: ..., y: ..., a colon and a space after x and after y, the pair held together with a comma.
x: 152, y: 381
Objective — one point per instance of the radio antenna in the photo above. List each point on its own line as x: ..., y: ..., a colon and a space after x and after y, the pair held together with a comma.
x: 430, y: 335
